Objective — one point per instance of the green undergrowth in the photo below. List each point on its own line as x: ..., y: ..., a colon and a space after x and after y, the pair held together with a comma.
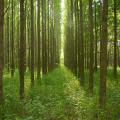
x: 58, y: 96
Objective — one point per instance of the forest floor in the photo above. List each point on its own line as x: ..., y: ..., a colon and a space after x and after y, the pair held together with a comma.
x: 58, y: 96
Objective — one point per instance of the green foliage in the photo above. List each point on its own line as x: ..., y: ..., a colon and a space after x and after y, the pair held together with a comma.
x: 58, y: 96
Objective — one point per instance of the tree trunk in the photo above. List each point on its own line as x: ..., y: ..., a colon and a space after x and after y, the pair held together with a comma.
x: 12, y: 42
x: 81, y: 64
x: 22, y: 49
x: 103, y: 55
x: 39, y: 51
x: 44, y: 41
x: 32, y: 43
x: 1, y: 48
x: 115, y: 39
x: 91, y: 69
x: 96, y: 37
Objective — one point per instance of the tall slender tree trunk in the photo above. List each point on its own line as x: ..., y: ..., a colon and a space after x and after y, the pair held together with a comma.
x: 115, y: 39
x: 96, y: 37
x: 76, y: 37
x: 39, y: 49
x: 22, y: 48
x: 103, y: 55
x: 32, y: 43
x: 72, y: 48
x: 118, y: 56
x: 8, y: 40
x: 44, y: 42
x: 35, y: 35
x: 49, y: 66
x: 12, y: 42
x: 28, y: 42
x: 1, y: 48
x: 91, y: 36
x: 81, y: 45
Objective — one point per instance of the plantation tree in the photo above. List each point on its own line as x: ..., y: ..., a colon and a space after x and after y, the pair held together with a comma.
x: 22, y: 48
x: 44, y: 38
x: 1, y: 47
x: 12, y: 41
x: 115, y: 38
x: 32, y: 42
x: 50, y: 36
x: 96, y: 35
x: 81, y: 46
x: 7, y: 47
x: 103, y: 55
x: 48, y: 27
x: 72, y: 44
x: 86, y: 34
x: 76, y: 36
x: 35, y: 35
x: 91, y: 37
x: 28, y: 17
x: 38, y: 31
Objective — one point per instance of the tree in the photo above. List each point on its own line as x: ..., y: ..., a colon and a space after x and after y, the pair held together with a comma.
x: 1, y: 48
x: 22, y: 49
x: 72, y: 41
x: 115, y: 39
x: 12, y: 42
x: 91, y: 37
x: 76, y: 37
x: 103, y: 55
x: 8, y: 38
x: 32, y: 43
x: 49, y: 55
x: 38, y: 30
x: 81, y: 46
x: 44, y: 41
x: 96, y: 36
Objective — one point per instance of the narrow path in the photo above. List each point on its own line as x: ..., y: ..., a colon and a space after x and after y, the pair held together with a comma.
x: 58, y: 97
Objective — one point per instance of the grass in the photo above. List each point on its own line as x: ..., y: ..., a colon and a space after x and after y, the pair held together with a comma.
x: 58, y: 96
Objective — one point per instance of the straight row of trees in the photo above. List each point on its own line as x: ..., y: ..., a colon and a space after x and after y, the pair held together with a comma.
x: 88, y: 45
x: 29, y: 38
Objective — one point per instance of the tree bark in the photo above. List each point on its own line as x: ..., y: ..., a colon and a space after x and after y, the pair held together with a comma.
x: 22, y: 49
x: 12, y: 42
x: 103, y: 55
x: 1, y: 48
x: 115, y: 39
x: 91, y: 36
x: 39, y: 51
x: 96, y: 37
x: 44, y: 42
x: 32, y: 43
